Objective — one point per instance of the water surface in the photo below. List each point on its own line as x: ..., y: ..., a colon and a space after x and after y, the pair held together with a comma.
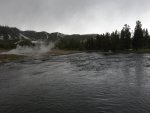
x: 77, y: 83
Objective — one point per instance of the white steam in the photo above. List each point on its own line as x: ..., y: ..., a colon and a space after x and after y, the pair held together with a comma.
x: 39, y: 48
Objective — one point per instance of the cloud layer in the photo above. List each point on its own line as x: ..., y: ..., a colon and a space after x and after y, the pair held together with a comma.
x: 74, y: 16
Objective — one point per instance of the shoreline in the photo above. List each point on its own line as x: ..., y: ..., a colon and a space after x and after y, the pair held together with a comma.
x: 5, y: 58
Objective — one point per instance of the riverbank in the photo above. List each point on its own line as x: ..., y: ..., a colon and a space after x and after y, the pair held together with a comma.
x: 4, y: 58
x: 56, y: 52
x: 139, y: 51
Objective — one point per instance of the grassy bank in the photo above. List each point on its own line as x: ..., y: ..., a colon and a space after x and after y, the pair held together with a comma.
x: 8, y: 57
x: 4, y: 58
x: 55, y: 52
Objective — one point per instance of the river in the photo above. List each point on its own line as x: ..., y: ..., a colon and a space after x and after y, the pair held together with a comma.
x: 76, y: 83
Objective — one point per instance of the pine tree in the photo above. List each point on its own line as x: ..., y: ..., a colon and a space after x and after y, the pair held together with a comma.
x: 125, y: 37
x: 145, y: 38
x: 138, y: 36
x: 115, y: 45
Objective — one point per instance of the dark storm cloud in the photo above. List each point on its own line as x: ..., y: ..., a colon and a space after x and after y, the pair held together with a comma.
x: 73, y: 16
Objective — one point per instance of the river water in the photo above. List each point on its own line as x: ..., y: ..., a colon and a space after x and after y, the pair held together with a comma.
x: 76, y: 83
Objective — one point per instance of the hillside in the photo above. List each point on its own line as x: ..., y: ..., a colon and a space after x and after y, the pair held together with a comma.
x: 10, y: 37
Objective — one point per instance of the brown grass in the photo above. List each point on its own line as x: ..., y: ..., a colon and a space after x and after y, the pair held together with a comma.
x: 6, y: 58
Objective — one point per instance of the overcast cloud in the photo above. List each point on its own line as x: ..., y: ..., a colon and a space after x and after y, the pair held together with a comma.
x: 74, y: 16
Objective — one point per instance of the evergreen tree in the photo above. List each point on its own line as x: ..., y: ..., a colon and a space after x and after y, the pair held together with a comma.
x: 146, y: 38
x: 106, y: 45
x: 138, y: 36
x: 115, y: 45
x: 125, y: 40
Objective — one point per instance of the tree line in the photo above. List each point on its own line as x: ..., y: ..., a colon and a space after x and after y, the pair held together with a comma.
x: 123, y: 40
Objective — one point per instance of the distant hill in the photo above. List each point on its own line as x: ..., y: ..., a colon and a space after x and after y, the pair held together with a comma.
x: 11, y: 36
x: 12, y: 33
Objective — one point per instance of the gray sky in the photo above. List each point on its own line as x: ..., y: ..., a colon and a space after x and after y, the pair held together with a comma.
x: 74, y: 16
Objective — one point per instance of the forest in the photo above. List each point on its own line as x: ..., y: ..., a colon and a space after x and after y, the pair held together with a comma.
x: 123, y: 40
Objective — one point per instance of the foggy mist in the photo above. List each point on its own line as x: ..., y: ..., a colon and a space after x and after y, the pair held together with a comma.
x: 38, y: 49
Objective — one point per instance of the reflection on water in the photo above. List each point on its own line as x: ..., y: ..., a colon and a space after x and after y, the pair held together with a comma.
x: 139, y: 70
x: 77, y: 83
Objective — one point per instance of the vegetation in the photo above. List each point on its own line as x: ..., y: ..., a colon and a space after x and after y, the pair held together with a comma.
x: 115, y: 41
x: 8, y: 57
